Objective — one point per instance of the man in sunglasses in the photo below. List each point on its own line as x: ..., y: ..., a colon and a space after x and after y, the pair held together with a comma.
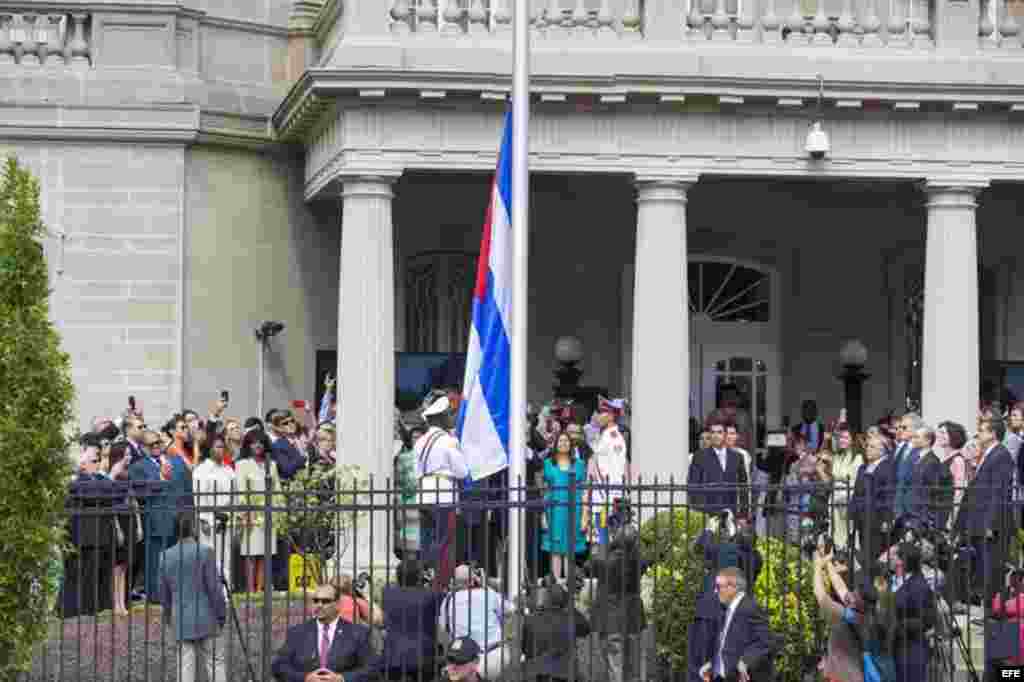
x: 326, y: 648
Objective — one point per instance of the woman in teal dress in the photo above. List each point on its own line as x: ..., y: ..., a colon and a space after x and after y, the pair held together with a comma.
x: 559, y: 470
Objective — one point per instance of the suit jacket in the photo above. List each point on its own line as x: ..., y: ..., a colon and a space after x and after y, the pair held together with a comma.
x: 883, y: 488
x: 161, y: 499
x: 410, y: 619
x: 905, y: 464
x: 616, y: 607
x: 90, y: 504
x: 702, y: 634
x: 705, y: 470
x: 749, y: 639
x: 928, y: 502
x: 191, y: 590
x: 985, y: 504
x: 549, y: 644
x: 914, y: 604
x: 350, y: 653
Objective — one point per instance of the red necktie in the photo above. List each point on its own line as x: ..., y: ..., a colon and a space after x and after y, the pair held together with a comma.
x: 325, y: 645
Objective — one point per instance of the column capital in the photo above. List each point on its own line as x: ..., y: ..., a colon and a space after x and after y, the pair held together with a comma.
x: 954, y: 185
x: 664, y: 187
x: 375, y: 184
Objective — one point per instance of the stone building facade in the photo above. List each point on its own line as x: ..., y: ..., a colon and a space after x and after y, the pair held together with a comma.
x: 209, y: 164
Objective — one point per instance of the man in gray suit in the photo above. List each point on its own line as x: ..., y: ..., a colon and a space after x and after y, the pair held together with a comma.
x: 194, y: 602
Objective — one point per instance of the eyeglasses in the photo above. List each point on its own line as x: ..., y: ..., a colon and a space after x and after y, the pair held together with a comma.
x: 321, y: 600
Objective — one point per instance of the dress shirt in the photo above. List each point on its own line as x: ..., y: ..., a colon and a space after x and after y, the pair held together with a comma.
x: 719, y: 664
x: 723, y: 458
x: 477, y: 613
x: 331, y: 629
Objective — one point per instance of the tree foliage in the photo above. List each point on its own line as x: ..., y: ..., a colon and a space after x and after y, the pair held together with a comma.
x: 36, y: 399
x: 784, y: 591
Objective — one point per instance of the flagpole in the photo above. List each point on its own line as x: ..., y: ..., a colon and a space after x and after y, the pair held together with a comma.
x: 520, y: 249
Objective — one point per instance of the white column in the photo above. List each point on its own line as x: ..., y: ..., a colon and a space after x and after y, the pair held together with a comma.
x: 366, y: 319
x: 661, y: 346
x: 950, y: 372
x: 366, y: 349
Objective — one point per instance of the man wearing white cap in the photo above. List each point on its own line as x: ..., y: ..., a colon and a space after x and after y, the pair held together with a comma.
x: 440, y: 467
x: 609, y: 470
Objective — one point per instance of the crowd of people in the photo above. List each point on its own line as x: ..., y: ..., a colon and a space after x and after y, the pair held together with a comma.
x: 856, y: 495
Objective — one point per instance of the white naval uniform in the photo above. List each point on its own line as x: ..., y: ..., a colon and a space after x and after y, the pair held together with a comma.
x: 440, y: 465
x: 608, y: 466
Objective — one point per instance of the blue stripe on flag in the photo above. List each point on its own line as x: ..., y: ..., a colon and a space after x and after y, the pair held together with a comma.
x: 495, y: 373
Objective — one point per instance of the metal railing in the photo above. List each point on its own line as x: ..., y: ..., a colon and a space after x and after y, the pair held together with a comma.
x: 641, y: 569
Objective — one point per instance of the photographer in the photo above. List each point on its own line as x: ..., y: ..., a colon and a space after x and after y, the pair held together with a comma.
x: 617, y: 612
x: 473, y: 610
x: 549, y: 638
x: 352, y: 604
x: 843, y: 662
x: 914, y: 613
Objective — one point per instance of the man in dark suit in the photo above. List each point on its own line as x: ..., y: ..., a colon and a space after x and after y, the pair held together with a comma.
x: 162, y: 484
x: 326, y: 648
x: 410, y: 619
x: 905, y: 459
x: 722, y: 468
x: 194, y: 603
x: 870, y: 508
x: 927, y: 501
x: 985, y: 520
x: 746, y: 646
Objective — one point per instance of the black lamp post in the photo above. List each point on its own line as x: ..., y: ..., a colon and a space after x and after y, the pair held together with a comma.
x: 568, y: 352
x: 854, y: 356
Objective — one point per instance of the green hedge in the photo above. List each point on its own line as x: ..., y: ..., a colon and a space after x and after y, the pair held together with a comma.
x: 784, y: 590
x: 35, y: 411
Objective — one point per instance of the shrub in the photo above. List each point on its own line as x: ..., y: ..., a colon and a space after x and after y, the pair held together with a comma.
x: 35, y: 412
x: 321, y: 518
x: 784, y: 590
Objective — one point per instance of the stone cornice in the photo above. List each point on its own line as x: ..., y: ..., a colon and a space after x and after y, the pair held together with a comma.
x: 158, y: 123
x: 293, y: 116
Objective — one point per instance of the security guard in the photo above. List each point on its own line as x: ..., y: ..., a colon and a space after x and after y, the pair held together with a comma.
x: 440, y: 467
x: 462, y: 661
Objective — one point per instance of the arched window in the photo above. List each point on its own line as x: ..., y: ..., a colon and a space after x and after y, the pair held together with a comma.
x: 729, y: 292
x: 438, y: 301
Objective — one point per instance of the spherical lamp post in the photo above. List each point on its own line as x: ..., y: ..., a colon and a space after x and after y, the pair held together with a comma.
x: 853, y: 356
x: 568, y: 352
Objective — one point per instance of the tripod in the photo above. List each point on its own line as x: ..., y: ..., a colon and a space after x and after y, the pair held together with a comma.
x: 229, y: 593
x: 953, y: 635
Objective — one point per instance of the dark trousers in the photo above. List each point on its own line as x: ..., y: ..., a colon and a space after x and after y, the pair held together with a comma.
x: 155, y: 545
x: 986, y: 568
x: 439, y: 535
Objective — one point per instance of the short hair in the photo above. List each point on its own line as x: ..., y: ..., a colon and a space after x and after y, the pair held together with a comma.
x: 736, y: 575
x: 915, y: 420
x: 185, y: 414
x: 998, y: 427
x: 250, y: 439
x: 957, y: 434
x: 185, y: 524
x: 928, y: 433
x: 334, y: 587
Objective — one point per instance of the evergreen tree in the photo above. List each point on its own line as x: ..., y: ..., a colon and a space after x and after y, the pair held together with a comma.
x: 36, y: 399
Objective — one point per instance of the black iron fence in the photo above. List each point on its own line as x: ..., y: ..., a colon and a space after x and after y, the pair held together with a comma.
x: 634, y: 596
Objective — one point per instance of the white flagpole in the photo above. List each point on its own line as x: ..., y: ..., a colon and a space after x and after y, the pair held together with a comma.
x: 520, y: 249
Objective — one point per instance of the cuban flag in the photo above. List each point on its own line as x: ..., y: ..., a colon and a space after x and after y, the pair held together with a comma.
x: 483, y: 423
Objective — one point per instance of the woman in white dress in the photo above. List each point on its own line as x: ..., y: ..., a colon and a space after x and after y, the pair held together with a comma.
x: 251, y: 472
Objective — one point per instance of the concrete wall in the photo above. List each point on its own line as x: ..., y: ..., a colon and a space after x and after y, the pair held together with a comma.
x: 255, y: 252
x: 115, y: 278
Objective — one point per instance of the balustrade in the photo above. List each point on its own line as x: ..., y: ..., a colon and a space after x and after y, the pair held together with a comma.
x: 862, y: 24
x: 45, y: 39
x: 998, y: 28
